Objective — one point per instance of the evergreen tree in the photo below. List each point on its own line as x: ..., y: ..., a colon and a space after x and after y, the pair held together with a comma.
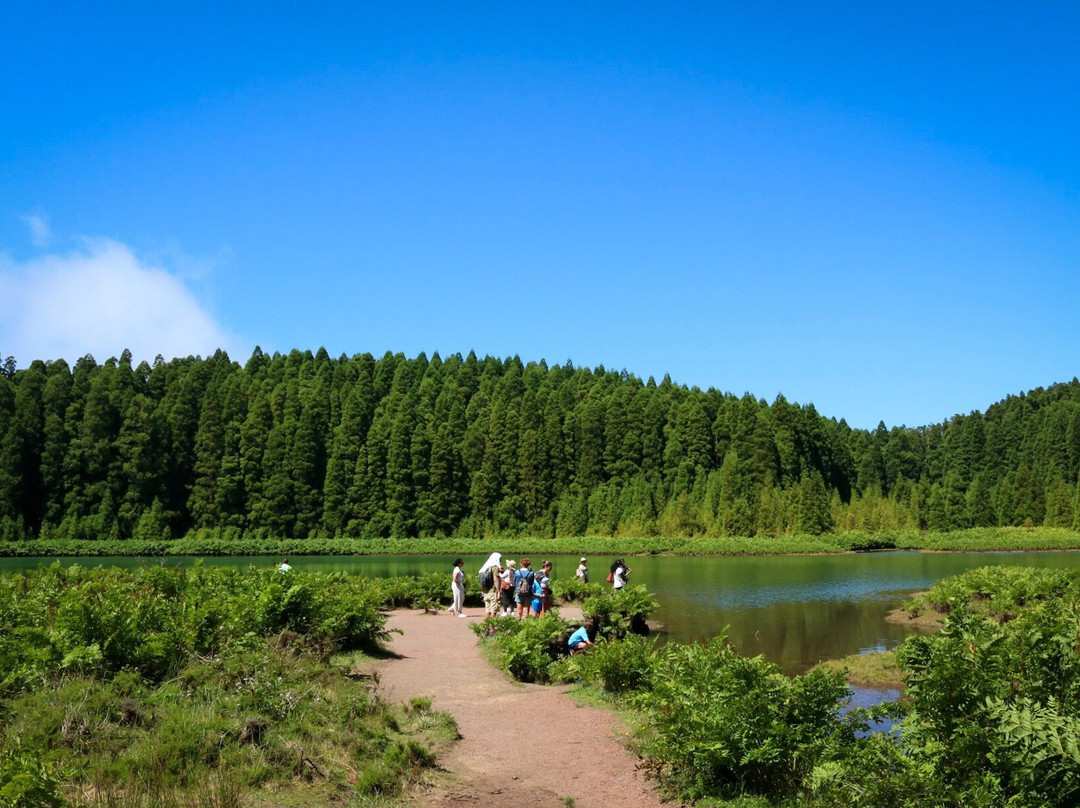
x: 814, y: 514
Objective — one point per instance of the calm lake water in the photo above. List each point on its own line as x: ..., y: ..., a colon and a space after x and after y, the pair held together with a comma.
x: 796, y: 610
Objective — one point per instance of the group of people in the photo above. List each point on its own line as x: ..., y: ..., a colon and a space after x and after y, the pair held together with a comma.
x: 507, y: 590
x: 517, y: 590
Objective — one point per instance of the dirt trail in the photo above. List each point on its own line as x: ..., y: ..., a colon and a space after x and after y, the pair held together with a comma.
x: 521, y: 745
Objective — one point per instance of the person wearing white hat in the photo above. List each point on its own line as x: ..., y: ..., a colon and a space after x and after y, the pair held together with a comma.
x: 489, y: 588
x: 583, y: 572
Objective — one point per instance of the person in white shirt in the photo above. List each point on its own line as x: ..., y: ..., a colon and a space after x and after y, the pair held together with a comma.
x: 622, y: 572
x: 284, y: 566
x: 582, y: 572
x: 506, y: 584
x: 457, y: 587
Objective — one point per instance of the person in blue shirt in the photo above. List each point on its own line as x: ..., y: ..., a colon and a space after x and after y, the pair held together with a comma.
x: 579, y: 641
x: 537, y: 596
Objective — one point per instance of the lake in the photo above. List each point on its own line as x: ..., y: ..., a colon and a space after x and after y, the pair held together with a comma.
x: 795, y: 610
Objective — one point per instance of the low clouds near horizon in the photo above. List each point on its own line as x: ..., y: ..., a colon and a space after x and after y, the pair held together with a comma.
x: 99, y: 300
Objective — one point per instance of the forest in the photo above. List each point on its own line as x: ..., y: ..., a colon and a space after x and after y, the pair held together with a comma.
x: 303, y: 445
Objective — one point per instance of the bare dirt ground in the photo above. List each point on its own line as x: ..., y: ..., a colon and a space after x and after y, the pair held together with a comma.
x: 520, y: 744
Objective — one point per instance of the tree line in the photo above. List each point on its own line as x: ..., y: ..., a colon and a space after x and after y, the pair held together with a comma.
x: 300, y: 445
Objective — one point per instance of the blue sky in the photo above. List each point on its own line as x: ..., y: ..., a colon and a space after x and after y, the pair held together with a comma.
x: 875, y: 210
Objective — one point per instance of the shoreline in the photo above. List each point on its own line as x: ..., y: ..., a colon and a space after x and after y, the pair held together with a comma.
x: 979, y: 540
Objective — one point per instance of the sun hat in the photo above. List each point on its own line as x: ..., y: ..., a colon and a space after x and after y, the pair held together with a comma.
x: 510, y: 563
x: 583, y: 561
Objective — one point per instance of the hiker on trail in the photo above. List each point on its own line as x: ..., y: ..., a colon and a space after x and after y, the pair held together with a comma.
x: 285, y: 567
x: 457, y: 587
x: 489, y: 589
x: 523, y: 587
x: 548, y: 599
x: 619, y: 573
x: 580, y: 641
x: 506, y: 587
x: 582, y: 572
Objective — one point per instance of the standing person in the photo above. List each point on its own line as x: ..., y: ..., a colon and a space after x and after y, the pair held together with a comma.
x: 523, y: 587
x: 457, y: 587
x: 538, y: 593
x: 506, y: 587
x: 285, y: 566
x: 489, y: 588
x: 544, y: 577
x: 620, y: 574
x: 582, y: 572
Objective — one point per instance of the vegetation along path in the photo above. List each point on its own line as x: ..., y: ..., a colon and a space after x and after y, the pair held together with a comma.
x: 520, y: 744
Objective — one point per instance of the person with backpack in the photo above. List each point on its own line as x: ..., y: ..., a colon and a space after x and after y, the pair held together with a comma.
x: 457, y: 588
x: 489, y: 590
x: 523, y: 588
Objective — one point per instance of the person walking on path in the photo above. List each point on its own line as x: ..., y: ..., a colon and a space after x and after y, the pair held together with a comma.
x: 582, y: 572
x: 506, y: 587
x: 523, y: 587
x: 489, y: 584
x: 457, y: 587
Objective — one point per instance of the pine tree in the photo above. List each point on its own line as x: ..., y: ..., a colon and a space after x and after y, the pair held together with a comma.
x: 814, y: 515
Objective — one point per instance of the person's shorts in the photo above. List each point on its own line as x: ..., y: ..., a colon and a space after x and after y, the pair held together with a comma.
x: 537, y: 604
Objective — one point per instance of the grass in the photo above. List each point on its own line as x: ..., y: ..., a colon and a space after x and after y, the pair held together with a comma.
x: 877, y: 670
x: 269, y: 721
x: 161, y: 688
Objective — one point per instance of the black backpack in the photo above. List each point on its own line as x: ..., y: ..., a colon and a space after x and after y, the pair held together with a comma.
x: 487, y: 579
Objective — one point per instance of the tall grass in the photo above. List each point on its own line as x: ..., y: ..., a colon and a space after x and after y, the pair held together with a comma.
x: 201, y: 686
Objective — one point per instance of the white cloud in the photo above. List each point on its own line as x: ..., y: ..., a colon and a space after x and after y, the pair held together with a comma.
x: 40, y: 232
x: 99, y: 300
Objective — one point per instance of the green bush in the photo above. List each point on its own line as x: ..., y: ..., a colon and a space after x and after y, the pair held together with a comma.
x: 726, y: 725
x: 26, y: 782
x: 999, y: 703
x: 569, y: 590
x: 620, y: 612
x: 527, y: 648
x: 618, y: 666
x: 999, y: 591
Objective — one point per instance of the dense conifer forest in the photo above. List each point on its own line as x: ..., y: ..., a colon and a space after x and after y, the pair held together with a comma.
x: 301, y: 445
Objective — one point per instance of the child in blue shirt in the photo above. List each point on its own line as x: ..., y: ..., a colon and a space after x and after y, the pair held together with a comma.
x: 579, y: 641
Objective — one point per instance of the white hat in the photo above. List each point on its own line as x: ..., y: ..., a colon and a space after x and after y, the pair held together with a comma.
x: 583, y: 561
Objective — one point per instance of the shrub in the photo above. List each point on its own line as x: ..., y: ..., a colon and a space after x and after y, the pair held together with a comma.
x: 570, y: 590
x: 618, y: 666
x: 618, y: 613
x: 527, y: 648
x: 25, y: 782
x: 728, y: 725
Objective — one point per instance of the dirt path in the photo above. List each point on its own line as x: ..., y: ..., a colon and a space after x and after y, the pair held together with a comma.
x: 569, y: 751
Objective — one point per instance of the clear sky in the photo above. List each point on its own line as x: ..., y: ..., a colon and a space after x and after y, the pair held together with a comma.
x: 872, y: 208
